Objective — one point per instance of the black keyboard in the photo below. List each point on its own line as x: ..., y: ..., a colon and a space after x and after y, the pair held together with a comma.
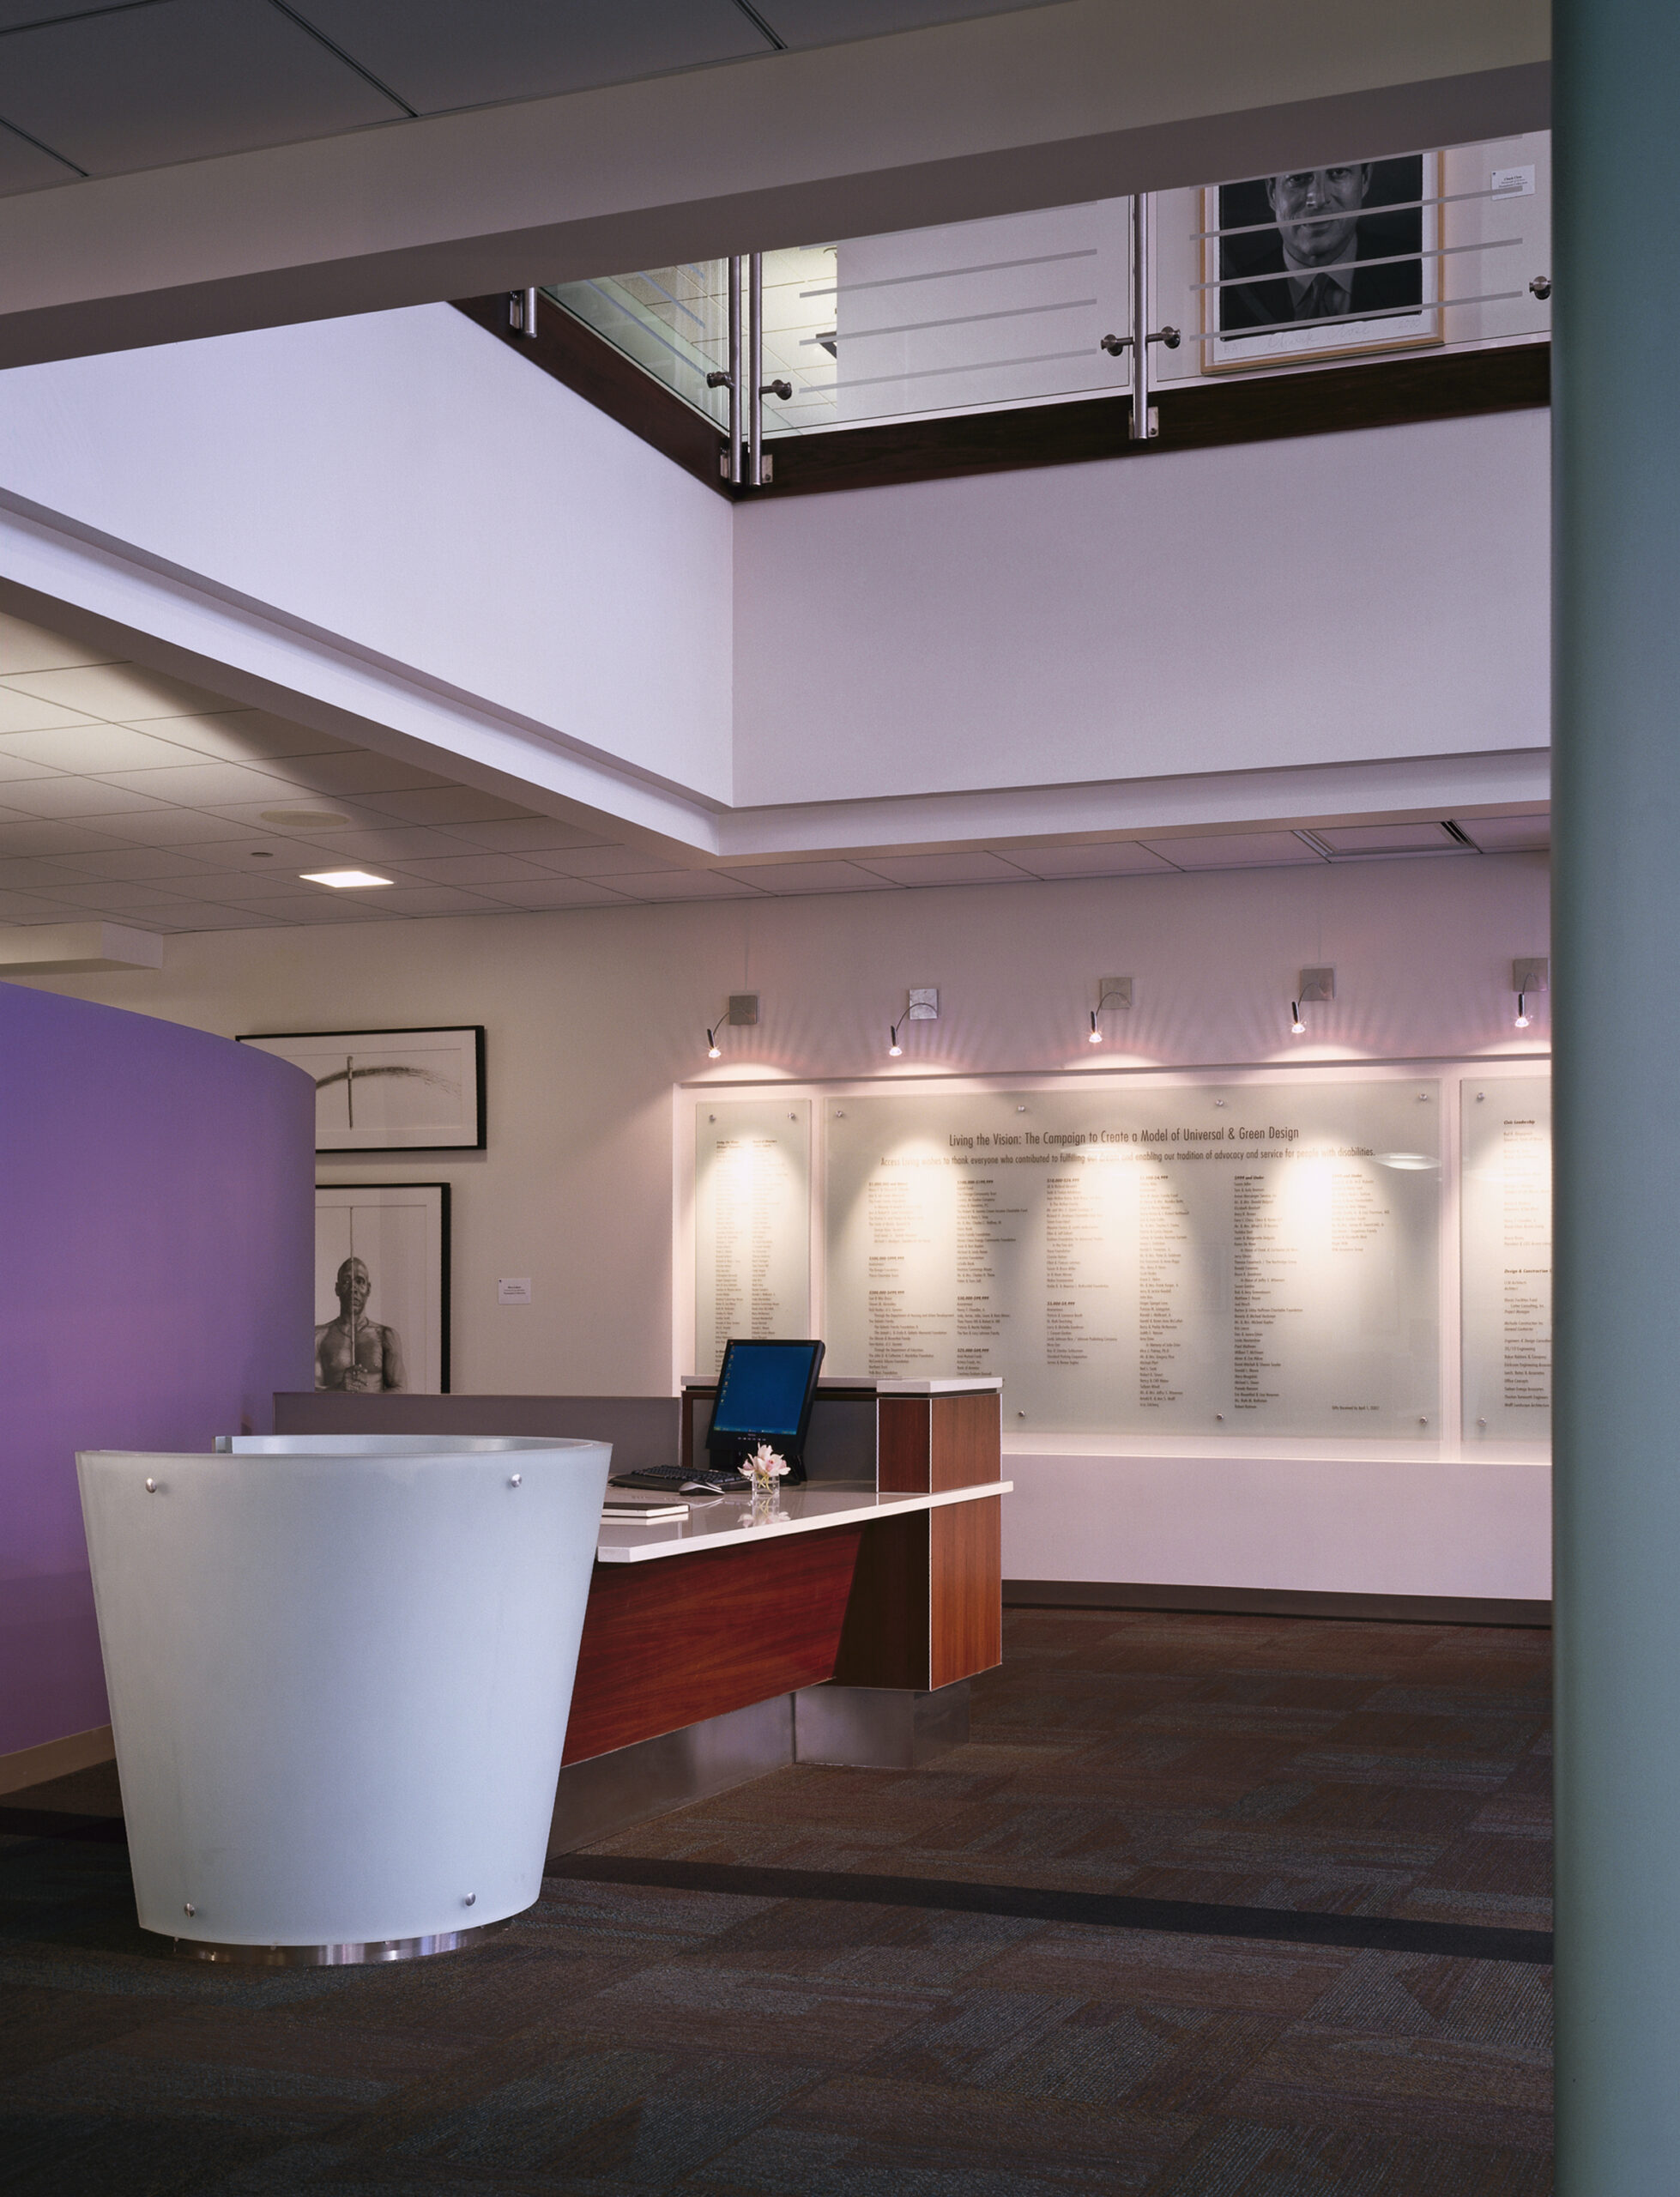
x: 672, y: 1478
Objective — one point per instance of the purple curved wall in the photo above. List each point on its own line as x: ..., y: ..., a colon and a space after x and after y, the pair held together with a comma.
x: 156, y: 1226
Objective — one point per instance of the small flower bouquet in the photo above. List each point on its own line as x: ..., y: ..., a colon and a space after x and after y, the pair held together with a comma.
x: 763, y: 1468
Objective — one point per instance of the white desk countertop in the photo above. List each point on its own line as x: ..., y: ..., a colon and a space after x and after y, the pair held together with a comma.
x: 727, y: 1522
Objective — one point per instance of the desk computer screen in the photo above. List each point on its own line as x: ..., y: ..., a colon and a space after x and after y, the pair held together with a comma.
x: 764, y: 1394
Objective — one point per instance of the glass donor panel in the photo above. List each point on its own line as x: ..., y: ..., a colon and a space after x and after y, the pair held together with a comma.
x: 751, y: 1223
x: 1507, y: 1207
x: 1241, y: 1259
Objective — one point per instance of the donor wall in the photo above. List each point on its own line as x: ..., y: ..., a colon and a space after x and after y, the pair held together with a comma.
x: 1321, y: 1256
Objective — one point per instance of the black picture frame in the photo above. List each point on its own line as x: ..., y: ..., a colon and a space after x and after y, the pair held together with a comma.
x: 312, y: 1049
x: 381, y: 1194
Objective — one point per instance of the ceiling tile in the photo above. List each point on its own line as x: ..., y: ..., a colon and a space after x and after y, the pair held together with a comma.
x: 252, y: 881
x: 24, y: 647
x: 1387, y: 839
x: 975, y: 867
x: 170, y: 827
x: 251, y: 818
x: 397, y: 843
x: 1236, y: 851
x: 444, y: 805
x: 31, y: 873
x: 106, y: 896
x: 810, y: 877
x: 1118, y: 858
x: 1501, y: 835
x: 484, y: 868
x: 122, y: 694
x: 36, y: 837
x: 224, y: 917
x: 130, y: 865
x: 438, y: 54
x: 21, y: 712
x: 595, y: 862
x: 71, y: 796
x: 358, y: 771
x: 556, y: 893
x: 435, y: 900
x: 20, y: 767
x: 29, y: 908
x: 94, y: 747
x: 528, y: 835
x: 685, y: 885
x: 801, y: 23
x: 315, y: 904
x: 245, y: 737
x: 179, y: 79
x: 206, y: 785
x: 24, y: 167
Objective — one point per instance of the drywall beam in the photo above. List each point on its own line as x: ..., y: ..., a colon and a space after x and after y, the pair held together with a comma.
x: 65, y: 949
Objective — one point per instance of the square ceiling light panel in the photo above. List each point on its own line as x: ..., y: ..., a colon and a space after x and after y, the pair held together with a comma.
x: 827, y: 23
x: 178, y: 80
x: 440, y: 54
x: 1236, y: 851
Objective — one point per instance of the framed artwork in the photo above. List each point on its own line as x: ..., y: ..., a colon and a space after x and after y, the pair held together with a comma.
x: 1321, y: 263
x: 390, y: 1090
x: 382, y: 1288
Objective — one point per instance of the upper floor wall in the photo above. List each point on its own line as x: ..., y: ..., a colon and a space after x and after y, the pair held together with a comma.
x: 389, y: 526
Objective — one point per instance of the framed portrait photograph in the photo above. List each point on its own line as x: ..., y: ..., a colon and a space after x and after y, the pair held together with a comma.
x: 1321, y: 263
x: 390, y: 1090
x: 382, y: 1288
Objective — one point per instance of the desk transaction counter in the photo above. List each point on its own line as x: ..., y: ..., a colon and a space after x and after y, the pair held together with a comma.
x: 842, y: 1627
x: 340, y: 1670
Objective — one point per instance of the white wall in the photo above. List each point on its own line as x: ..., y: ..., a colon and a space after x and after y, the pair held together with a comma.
x: 592, y: 1016
x: 1336, y: 598
x: 406, y: 485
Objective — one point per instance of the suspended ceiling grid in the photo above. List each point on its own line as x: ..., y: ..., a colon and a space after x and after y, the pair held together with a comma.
x: 129, y: 795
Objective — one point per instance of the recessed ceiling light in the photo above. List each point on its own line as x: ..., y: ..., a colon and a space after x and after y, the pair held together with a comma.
x: 304, y: 820
x: 344, y: 880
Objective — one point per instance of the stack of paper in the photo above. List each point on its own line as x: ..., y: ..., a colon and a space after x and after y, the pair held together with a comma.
x: 645, y: 1511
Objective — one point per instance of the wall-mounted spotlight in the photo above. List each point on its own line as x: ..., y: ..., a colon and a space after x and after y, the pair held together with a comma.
x: 1314, y: 984
x: 743, y: 1008
x: 1111, y: 991
x: 1529, y: 978
x: 922, y: 1006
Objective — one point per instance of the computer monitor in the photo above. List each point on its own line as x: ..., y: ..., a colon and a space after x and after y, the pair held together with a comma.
x: 764, y: 1394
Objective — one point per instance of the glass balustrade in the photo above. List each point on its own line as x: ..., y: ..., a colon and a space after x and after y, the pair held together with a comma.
x: 1444, y: 250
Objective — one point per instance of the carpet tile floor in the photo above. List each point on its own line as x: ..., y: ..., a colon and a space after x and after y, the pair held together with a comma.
x: 626, y: 2039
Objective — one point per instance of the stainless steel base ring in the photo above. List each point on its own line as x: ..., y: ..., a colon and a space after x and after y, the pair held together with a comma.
x: 357, y: 1955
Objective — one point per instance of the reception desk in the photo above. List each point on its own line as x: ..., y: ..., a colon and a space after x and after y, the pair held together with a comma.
x: 842, y: 1628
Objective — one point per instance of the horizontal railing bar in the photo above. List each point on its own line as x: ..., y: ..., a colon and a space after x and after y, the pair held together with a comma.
x: 956, y: 320
x: 1365, y: 213
x: 1350, y: 320
x: 941, y: 274
x: 1391, y: 259
x: 986, y: 366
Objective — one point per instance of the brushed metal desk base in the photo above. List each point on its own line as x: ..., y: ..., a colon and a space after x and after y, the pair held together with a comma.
x: 355, y: 1955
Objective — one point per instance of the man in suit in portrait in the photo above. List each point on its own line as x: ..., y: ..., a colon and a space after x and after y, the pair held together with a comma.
x: 1312, y: 266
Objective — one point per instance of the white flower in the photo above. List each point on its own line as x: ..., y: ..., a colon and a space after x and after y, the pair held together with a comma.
x: 765, y: 1464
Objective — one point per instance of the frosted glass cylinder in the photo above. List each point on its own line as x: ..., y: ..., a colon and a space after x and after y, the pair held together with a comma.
x: 340, y: 1670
